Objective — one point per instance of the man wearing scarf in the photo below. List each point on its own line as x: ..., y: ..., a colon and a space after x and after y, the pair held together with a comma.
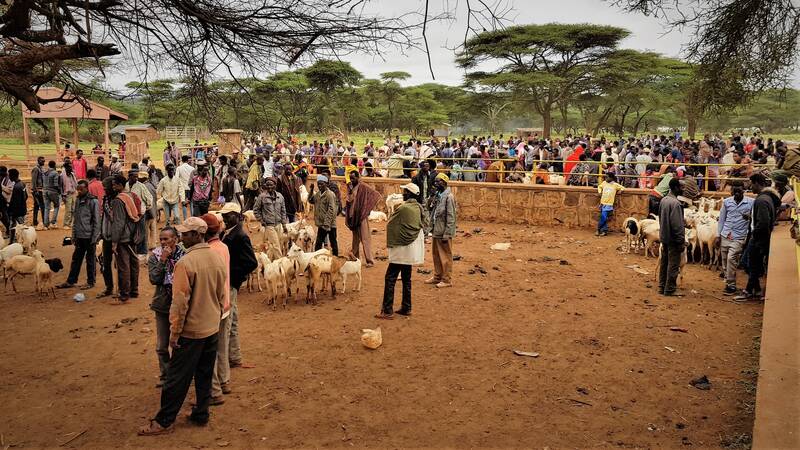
x: 160, y: 267
x: 361, y: 199
x: 405, y: 240
x: 289, y: 186
x: 127, y: 231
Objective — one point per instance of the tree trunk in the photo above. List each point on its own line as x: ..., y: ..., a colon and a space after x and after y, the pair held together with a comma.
x: 691, y: 126
x: 547, y: 121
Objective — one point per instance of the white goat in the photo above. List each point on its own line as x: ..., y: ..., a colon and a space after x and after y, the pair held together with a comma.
x: 26, y: 235
x: 275, y: 278
x: 350, y: 268
x: 392, y: 202
x: 707, y: 237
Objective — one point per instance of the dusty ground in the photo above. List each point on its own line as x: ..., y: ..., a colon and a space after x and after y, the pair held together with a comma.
x: 446, y: 377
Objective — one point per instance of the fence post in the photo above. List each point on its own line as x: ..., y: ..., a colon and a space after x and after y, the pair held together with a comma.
x: 706, y: 179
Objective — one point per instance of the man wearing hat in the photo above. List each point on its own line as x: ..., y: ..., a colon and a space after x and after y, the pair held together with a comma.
x: 405, y: 240
x: 243, y: 263
x: 136, y: 186
x: 270, y: 209
x: 198, y: 298
x: 443, y: 231
x: 325, y: 212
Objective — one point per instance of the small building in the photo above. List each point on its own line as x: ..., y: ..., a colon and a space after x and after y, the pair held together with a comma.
x: 526, y: 133
x: 441, y: 131
x: 117, y: 134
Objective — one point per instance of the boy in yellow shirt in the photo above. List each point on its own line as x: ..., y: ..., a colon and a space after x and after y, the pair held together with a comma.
x: 608, y: 193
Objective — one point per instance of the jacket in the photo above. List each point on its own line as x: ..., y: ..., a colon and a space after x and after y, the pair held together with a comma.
x: 86, y: 219
x: 162, y: 295
x: 425, y: 185
x: 763, y: 217
x: 121, y: 226
x: 243, y: 258
x: 52, y: 182
x: 270, y: 211
x: 170, y: 190
x: 18, y: 206
x: 444, y: 215
x: 198, y: 293
x: 670, y: 219
x: 37, y: 178
x: 326, y: 209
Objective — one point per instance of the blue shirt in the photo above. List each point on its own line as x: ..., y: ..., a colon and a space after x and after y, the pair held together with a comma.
x: 732, y: 221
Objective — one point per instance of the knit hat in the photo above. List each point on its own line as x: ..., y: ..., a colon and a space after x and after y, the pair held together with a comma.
x: 322, y: 178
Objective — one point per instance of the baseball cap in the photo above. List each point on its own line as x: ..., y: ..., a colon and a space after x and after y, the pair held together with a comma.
x: 443, y: 177
x: 214, y: 225
x: 230, y: 207
x: 411, y: 187
x: 192, y: 224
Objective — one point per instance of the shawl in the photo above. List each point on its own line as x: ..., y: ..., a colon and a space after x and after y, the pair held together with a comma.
x: 573, y: 159
x: 360, y: 202
x: 404, y: 225
x: 288, y: 186
x: 132, y: 205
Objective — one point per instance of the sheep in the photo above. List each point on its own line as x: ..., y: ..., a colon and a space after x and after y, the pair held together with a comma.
x: 707, y: 236
x: 392, y: 202
x: 377, y: 216
x: 21, y: 265
x: 649, y: 234
x: 632, y: 230
x: 350, y: 268
x: 26, y: 235
x: 8, y: 252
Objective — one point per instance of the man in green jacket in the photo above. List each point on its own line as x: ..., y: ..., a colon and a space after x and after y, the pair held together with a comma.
x: 405, y: 240
x: 325, y: 211
x: 444, y: 229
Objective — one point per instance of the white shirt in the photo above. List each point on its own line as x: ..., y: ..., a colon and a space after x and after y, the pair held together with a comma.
x: 184, y: 173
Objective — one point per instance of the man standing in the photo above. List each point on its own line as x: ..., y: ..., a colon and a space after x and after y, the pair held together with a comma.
x: 424, y: 181
x: 85, y: 234
x: 243, y: 263
x: 160, y: 267
x: 6, y: 189
x: 198, y: 296
x: 200, y: 189
x: 37, y: 188
x: 184, y: 172
x: 52, y: 194
x: 761, y: 224
x: 270, y: 209
x: 444, y: 230
x: 145, y: 203
x: 126, y: 232
x: 289, y: 186
x: 405, y: 240
x: 170, y: 192
x: 80, y: 165
x: 151, y: 215
x: 222, y: 370
x: 361, y: 200
x: 70, y: 186
x: 18, y: 204
x: 230, y: 189
x: 325, y: 212
x: 734, y: 224
x: 673, y: 237
x: 253, y: 181
x: 101, y: 169
x: 106, y: 220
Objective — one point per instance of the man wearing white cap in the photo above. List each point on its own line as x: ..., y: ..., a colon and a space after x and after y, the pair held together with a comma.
x: 325, y: 212
x: 243, y: 263
x: 198, y: 297
x: 405, y: 240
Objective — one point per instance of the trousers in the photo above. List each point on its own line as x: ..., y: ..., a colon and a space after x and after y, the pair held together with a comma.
x: 442, y: 260
x: 107, y: 265
x: 69, y: 209
x: 756, y: 253
x: 605, y: 213
x: 53, y: 201
x: 84, y: 250
x: 731, y: 250
x: 162, y: 344
x: 330, y: 234
x: 192, y: 360
x: 390, y: 279
x: 361, y: 237
x: 127, y: 271
x: 234, y: 350
x: 171, y: 212
x: 222, y: 368
x: 669, y: 268
x: 38, y: 207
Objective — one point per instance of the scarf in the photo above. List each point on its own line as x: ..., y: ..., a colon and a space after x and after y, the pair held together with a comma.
x: 132, y: 205
x: 171, y: 261
x: 404, y: 225
x: 361, y: 200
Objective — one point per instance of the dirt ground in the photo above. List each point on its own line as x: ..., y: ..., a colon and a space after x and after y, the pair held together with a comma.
x: 610, y: 373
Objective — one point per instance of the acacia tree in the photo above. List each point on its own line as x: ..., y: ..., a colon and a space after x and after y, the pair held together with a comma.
x: 198, y: 40
x: 330, y: 78
x: 391, y: 90
x: 542, y: 64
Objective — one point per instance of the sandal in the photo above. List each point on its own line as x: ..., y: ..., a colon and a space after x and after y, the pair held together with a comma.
x: 104, y: 294
x: 384, y: 316
x: 154, y: 429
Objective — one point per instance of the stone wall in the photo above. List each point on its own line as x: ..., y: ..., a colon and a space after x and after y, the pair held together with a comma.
x: 570, y: 206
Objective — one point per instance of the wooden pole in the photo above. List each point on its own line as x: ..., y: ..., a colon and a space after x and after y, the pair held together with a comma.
x: 58, y: 137
x: 76, y: 137
x: 107, y: 142
x: 27, y: 140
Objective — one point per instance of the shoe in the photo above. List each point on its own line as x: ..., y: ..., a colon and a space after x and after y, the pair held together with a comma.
x: 195, y: 422
x: 235, y: 364
x: 154, y: 429
x: 216, y: 401
x: 402, y: 312
x: 431, y: 280
x: 226, y: 389
x: 604, y: 233
x: 39, y: 227
x: 87, y: 287
x: 675, y: 293
x: 65, y: 286
x: 443, y: 285
x: 384, y: 316
x: 120, y: 301
x: 105, y: 294
x: 729, y: 290
x: 66, y: 227
x: 745, y: 296
x: 597, y: 233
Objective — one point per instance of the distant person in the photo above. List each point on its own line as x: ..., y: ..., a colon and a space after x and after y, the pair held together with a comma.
x: 198, y: 296
x: 85, y: 234
x: 171, y: 194
x: 52, y: 195
x: 734, y: 226
x: 69, y: 184
x: 608, y: 191
x: 80, y: 165
x: 443, y: 218
x: 127, y: 232
x: 17, y: 204
x: 673, y: 237
x: 361, y: 200
x: 37, y: 190
x: 761, y: 224
x: 325, y: 212
x: 200, y: 189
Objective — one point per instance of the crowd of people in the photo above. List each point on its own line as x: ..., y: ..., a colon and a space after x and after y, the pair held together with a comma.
x: 197, y: 263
